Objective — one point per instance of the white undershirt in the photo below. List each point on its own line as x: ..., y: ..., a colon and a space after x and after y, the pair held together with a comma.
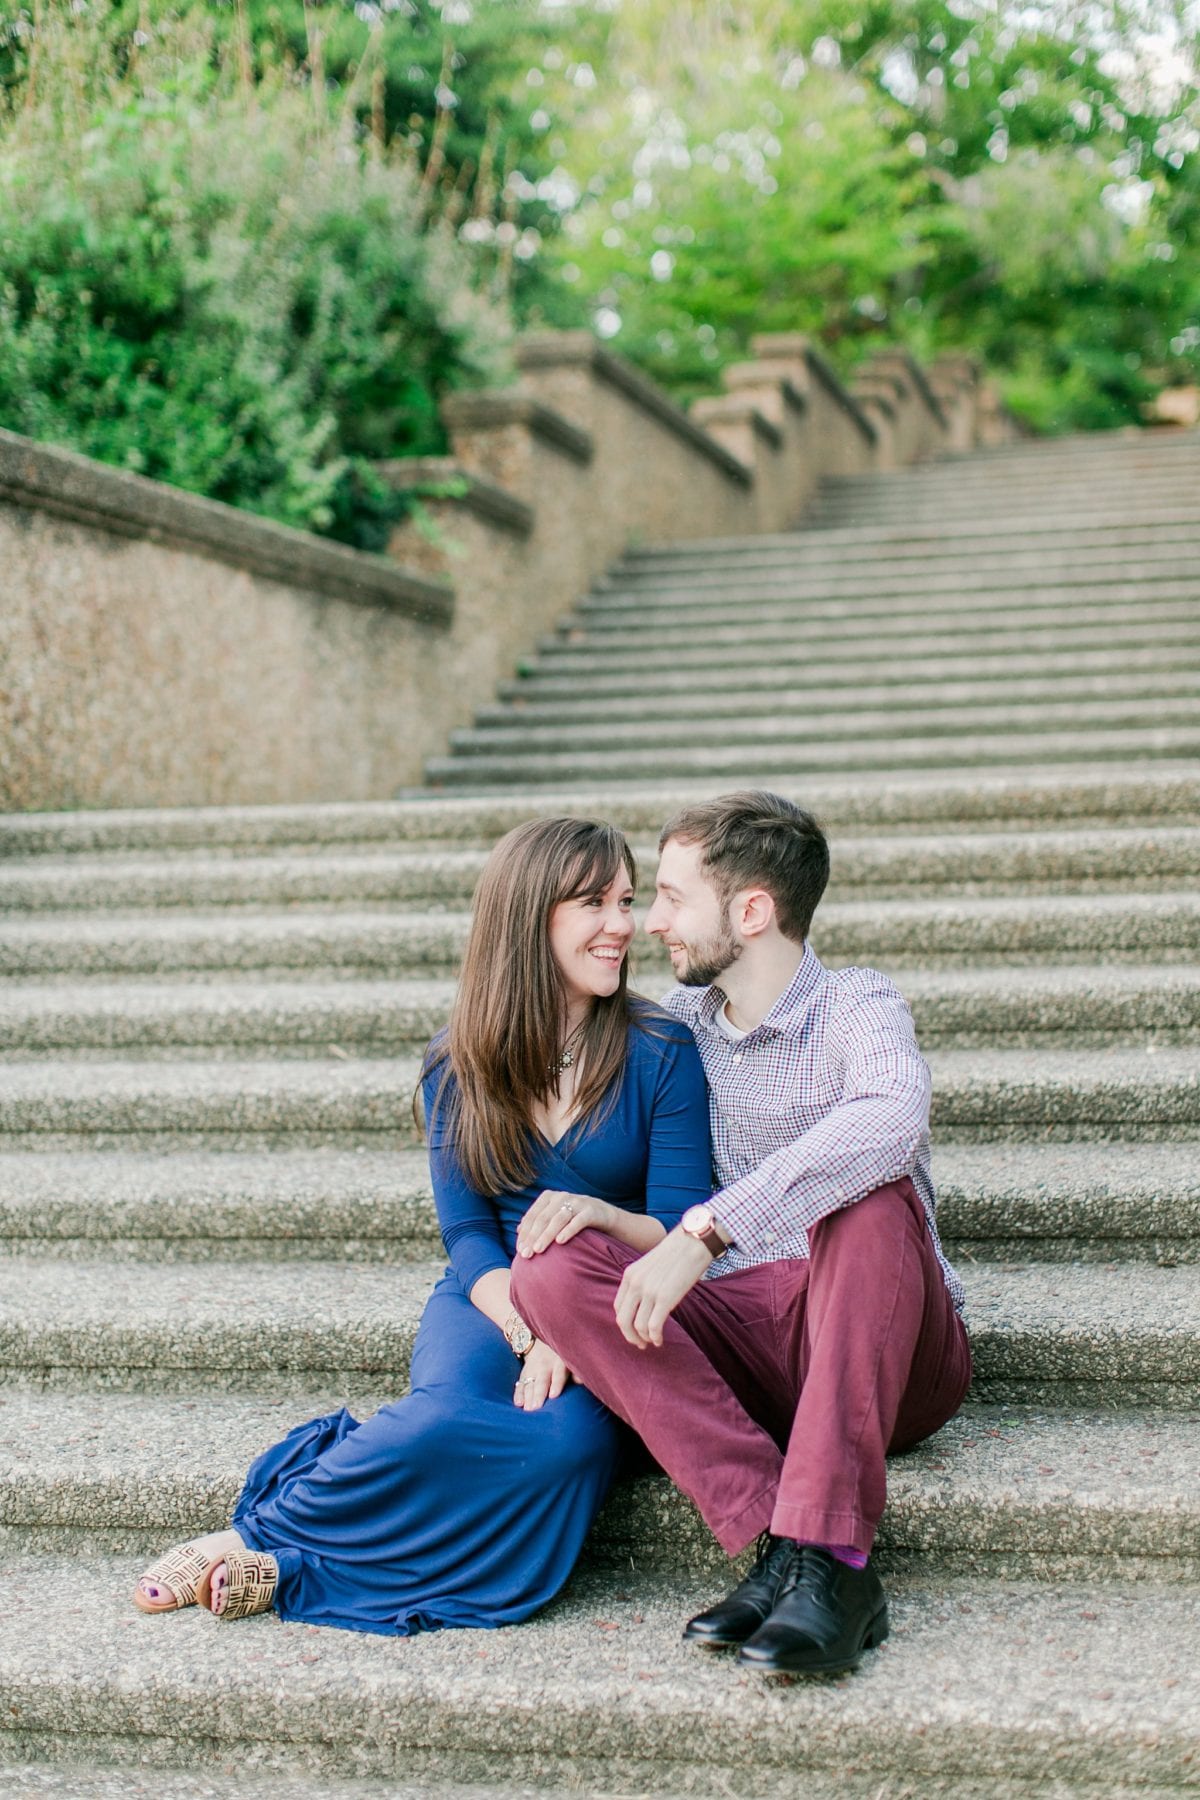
x: 726, y: 1026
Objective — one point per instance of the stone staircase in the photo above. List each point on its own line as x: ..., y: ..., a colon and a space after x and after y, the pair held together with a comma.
x: 215, y: 1217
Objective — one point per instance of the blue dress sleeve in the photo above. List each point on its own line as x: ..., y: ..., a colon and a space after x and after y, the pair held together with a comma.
x: 469, y: 1222
x: 679, y: 1164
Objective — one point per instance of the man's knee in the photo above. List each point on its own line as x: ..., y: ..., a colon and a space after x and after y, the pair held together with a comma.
x: 548, y: 1290
x: 541, y: 1286
x: 894, y: 1207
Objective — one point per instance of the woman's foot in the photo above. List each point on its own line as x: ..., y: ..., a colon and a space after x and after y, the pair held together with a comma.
x: 154, y: 1592
x: 238, y: 1584
x: 218, y: 1589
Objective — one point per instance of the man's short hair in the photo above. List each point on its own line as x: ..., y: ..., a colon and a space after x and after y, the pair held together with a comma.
x: 758, y: 839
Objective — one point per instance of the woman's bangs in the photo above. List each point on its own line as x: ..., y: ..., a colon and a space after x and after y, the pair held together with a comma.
x: 597, y: 864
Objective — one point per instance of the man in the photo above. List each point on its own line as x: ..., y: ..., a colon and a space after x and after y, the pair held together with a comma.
x: 781, y: 1340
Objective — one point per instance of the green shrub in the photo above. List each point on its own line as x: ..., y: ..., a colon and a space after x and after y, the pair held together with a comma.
x: 221, y: 284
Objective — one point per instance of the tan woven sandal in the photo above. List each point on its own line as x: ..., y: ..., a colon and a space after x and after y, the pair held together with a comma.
x: 178, y: 1570
x: 252, y: 1575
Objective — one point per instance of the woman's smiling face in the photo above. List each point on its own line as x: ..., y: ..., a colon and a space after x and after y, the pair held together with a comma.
x: 590, y: 936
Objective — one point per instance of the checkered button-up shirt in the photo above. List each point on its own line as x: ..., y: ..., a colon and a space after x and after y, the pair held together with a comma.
x: 824, y: 1101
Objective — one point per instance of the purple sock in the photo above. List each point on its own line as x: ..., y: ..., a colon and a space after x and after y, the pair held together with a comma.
x: 845, y: 1553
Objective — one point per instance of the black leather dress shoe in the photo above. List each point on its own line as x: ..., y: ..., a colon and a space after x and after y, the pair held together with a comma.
x: 826, y: 1615
x: 752, y: 1601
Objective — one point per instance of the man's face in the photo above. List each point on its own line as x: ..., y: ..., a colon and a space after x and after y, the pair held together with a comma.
x: 689, y: 918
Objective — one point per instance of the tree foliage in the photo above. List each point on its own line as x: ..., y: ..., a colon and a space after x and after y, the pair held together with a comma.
x: 1025, y: 183
x: 217, y: 281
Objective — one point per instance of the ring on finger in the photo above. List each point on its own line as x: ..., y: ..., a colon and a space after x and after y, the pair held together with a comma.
x: 567, y: 1207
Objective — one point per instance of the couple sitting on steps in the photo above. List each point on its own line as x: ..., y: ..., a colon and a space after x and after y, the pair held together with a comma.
x: 769, y: 1343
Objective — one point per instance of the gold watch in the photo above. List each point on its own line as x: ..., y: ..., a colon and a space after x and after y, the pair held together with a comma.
x: 520, y: 1338
x: 701, y: 1222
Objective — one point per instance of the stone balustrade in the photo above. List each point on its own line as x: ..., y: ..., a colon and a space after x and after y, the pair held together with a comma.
x: 157, y: 649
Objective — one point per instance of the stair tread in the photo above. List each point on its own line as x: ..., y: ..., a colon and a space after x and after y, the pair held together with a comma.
x: 390, y: 1075
x: 882, y: 757
x: 153, y: 991
x: 101, y: 956
x: 294, y: 1201
x: 107, y: 898
x: 994, y: 1480
x: 1087, y: 1679
x: 117, y: 1300
x: 1158, y: 790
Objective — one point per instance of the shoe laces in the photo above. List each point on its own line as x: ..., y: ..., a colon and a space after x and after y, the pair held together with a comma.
x: 778, y: 1553
x: 808, y: 1571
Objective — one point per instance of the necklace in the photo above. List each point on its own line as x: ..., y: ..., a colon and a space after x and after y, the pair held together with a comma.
x: 566, y: 1057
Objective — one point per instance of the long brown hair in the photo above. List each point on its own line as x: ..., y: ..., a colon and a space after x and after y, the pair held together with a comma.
x: 505, y: 1032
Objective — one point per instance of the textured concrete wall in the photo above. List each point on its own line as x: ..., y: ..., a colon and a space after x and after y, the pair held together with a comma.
x: 137, y: 674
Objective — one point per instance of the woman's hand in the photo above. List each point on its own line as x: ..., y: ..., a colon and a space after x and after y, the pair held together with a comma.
x: 555, y: 1218
x: 543, y: 1377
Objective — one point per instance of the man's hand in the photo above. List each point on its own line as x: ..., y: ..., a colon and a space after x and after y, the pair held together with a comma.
x: 652, y: 1287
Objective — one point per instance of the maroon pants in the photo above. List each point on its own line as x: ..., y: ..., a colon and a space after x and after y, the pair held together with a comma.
x: 778, y: 1390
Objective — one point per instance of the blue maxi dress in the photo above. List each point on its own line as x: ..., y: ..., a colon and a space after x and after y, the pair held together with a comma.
x: 452, y: 1506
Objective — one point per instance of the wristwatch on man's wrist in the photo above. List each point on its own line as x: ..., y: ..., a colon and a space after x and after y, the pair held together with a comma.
x: 701, y: 1222
x: 520, y: 1338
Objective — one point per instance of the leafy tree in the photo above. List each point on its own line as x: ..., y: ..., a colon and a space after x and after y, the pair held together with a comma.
x: 1024, y: 183
x: 214, y: 281
x: 472, y: 90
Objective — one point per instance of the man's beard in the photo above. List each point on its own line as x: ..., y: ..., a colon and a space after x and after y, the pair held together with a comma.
x: 707, y: 961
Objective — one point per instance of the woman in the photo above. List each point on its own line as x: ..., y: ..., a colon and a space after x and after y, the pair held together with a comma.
x: 554, y: 1102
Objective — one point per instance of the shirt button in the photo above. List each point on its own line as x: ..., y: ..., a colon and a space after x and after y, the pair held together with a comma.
x: 737, y: 1056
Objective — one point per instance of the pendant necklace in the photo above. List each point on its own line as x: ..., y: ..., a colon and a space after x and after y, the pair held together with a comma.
x: 566, y: 1056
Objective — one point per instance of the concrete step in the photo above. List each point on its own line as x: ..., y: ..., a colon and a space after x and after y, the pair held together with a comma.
x: 94, y: 1781
x: 835, y: 592
x: 1082, y: 498
x: 742, y: 646
x: 827, y: 701
x: 1144, y: 1092
x: 1051, y: 477
x: 1021, y: 1005
x: 278, y: 1206
x: 521, y: 736
x: 1165, y: 522
x: 1108, y: 1201
x: 995, y: 488
x: 1062, y: 513
x: 927, y: 546
x: 1085, y: 498
x: 902, y: 671
x: 301, y: 876
x: 1013, y: 1491
x: 1060, y: 796
x: 980, y: 1682
x: 1053, y: 1334
x: 1047, y: 1202
x: 733, y: 763
x: 903, y: 930
x: 64, y: 890
x: 1039, y: 1008
x: 277, y: 1329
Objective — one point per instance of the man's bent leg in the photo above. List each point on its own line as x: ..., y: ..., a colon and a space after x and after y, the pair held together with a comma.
x: 882, y: 1362
x: 674, y: 1396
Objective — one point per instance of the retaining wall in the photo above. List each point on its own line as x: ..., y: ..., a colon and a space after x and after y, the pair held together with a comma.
x: 157, y: 649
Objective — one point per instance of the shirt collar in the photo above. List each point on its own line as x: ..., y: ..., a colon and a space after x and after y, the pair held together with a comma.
x: 787, y: 1012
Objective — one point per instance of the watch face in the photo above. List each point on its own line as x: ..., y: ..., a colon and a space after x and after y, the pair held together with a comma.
x: 697, y: 1220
